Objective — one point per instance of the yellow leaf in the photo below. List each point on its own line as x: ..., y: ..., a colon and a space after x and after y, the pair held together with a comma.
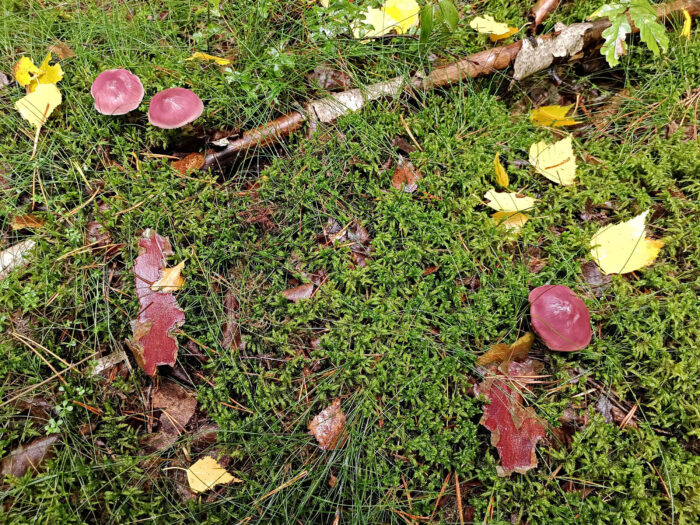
x: 623, y: 248
x: 501, y: 175
x: 405, y: 12
x: 381, y: 23
x: 508, y: 202
x: 555, y: 161
x: 171, y: 280
x: 554, y: 116
x: 687, y: 23
x: 488, y: 26
x: 324, y: 3
x: 511, y: 220
x: 206, y: 473
x: 48, y: 74
x: 205, y: 56
x: 25, y: 71
x: 36, y: 107
x: 503, y: 36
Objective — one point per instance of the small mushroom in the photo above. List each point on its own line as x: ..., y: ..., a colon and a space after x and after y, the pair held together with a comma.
x: 116, y: 92
x: 560, y: 318
x: 174, y: 107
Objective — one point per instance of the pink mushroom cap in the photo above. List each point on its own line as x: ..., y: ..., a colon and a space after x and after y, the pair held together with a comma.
x: 174, y: 107
x: 560, y: 318
x: 116, y: 92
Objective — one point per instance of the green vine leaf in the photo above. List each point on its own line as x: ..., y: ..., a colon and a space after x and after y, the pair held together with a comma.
x: 614, y: 46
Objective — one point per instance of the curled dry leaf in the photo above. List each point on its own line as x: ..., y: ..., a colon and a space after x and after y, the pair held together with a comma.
x: 171, y: 280
x: 328, y: 426
x: 501, y: 175
x: 206, y: 473
x: 191, y: 162
x: 177, y: 404
x: 298, y: 293
x: 406, y: 176
x: 554, y: 116
x: 153, y: 343
x: 20, y: 222
x: 540, y: 12
x: 29, y: 456
x: 505, y: 354
x: 515, y: 430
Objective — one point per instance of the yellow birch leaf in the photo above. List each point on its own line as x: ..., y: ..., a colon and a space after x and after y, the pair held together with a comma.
x: 555, y: 161
x: 513, y: 221
x: 405, y: 12
x: 554, y: 116
x: 380, y: 22
x: 488, y: 26
x: 508, y: 202
x: 623, y: 248
x: 171, y: 281
x: 204, y: 56
x: 501, y: 175
x: 511, y: 31
x: 36, y: 107
x: 25, y: 71
x: 49, y: 74
x: 206, y: 473
x: 687, y: 24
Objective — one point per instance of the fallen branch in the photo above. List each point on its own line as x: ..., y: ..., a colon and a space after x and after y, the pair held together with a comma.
x: 562, y: 45
x: 540, y: 12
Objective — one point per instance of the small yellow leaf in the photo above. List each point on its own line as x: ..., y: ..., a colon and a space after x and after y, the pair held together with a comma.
x: 511, y: 31
x: 687, y: 23
x: 501, y: 175
x: 48, y: 74
x: 555, y: 161
x: 554, y: 116
x: 206, y: 473
x: 36, y: 107
x: 405, y: 12
x: 324, y: 3
x: 380, y: 22
x: 488, y: 26
x: 25, y: 71
x: 623, y: 248
x: 204, y: 56
x: 513, y: 221
x: 171, y: 280
x: 508, y: 202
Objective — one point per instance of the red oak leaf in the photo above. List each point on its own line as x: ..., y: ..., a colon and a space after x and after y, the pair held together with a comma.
x: 153, y: 343
x: 515, y: 430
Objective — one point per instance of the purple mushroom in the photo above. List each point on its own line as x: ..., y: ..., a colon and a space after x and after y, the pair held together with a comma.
x: 116, y: 92
x: 174, y: 107
x: 560, y: 318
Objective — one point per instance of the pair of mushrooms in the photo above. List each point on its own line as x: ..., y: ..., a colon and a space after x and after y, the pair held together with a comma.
x: 118, y: 91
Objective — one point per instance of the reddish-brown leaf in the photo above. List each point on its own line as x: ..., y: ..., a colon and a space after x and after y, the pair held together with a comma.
x: 406, y: 176
x: 298, y: 293
x: 20, y: 222
x: 153, y: 343
x: 328, y: 426
x: 515, y: 430
x: 177, y: 406
x: 29, y: 456
x: 191, y: 162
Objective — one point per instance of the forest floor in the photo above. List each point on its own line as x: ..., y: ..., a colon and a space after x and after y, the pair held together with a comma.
x: 405, y: 300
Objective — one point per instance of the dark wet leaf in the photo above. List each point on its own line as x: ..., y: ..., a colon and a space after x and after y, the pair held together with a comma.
x: 177, y: 406
x: 329, y: 79
x: 29, y: 456
x: 298, y: 293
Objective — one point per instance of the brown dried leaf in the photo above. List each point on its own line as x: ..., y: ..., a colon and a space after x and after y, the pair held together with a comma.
x: 29, y: 456
x: 98, y: 234
x: 298, y: 293
x: 502, y: 353
x: 406, y: 176
x: 177, y: 404
x: 20, y: 222
x: 153, y: 343
x: 329, y: 79
x: 231, y: 333
x: 328, y: 426
x: 191, y: 162
x: 62, y: 50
